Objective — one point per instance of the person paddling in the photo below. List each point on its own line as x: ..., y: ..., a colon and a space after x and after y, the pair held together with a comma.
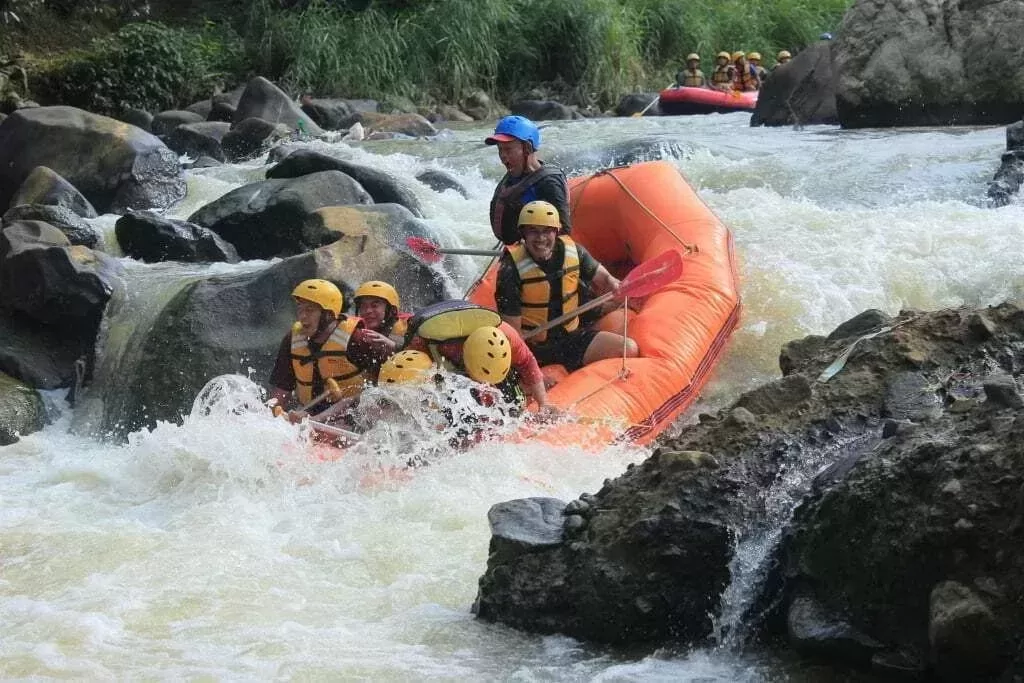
x: 526, y: 179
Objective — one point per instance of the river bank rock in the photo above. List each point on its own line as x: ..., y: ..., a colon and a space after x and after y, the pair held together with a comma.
x: 1010, y: 176
x: 152, y: 238
x: 634, y: 103
x: 382, y: 187
x: 45, y: 186
x: 544, y: 110
x: 939, y: 62
x: 201, y: 139
x: 910, y: 456
x: 116, y: 166
x: 41, y: 356
x: 74, y: 227
x: 251, y: 137
x: 165, y: 122
x: 21, y: 410
x: 235, y: 324
x: 439, y: 181
x: 329, y: 114
x: 412, y: 125
x: 267, y: 218
x: 262, y: 99
x: 801, y: 92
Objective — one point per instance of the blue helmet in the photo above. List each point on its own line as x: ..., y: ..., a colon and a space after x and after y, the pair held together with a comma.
x: 825, y: 36
x: 515, y: 128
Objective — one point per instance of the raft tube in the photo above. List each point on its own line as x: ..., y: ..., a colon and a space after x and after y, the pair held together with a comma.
x: 680, y: 101
x: 625, y: 216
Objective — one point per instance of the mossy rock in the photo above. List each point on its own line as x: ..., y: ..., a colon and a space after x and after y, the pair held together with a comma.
x: 21, y: 410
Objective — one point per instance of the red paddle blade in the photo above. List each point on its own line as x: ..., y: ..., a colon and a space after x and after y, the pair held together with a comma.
x: 424, y: 249
x: 650, y: 276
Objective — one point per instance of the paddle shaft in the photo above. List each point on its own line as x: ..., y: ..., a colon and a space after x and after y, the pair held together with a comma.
x: 469, y: 252
x: 650, y: 104
x: 334, y: 431
x: 576, y: 312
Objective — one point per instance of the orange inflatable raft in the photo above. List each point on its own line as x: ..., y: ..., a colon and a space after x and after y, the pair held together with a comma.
x: 625, y: 216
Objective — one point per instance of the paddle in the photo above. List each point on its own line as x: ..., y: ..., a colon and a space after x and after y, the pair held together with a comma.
x: 431, y: 252
x: 647, y: 278
x: 333, y: 390
x: 334, y: 431
x: 651, y: 103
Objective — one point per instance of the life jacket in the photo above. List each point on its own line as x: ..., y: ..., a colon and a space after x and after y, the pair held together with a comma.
x: 535, y: 288
x: 399, y: 329
x: 693, y: 79
x: 746, y: 79
x: 331, y: 361
x: 508, y: 202
x: 723, y: 74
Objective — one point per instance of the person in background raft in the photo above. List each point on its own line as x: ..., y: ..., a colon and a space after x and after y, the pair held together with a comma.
x: 782, y: 58
x: 526, y: 178
x: 541, y: 278
x: 318, y: 348
x: 755, y: 62
x: 691, y: 76
x: 724, y: 73
x: 745, y: 76
x: 384, y: 325
x: 461, y: 336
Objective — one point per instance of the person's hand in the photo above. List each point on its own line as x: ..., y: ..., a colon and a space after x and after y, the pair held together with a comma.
x: 375, y: 340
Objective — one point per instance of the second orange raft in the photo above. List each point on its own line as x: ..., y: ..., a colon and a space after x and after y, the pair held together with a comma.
x: 625, y: 216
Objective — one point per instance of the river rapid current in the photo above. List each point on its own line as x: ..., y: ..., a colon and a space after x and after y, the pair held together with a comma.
x: 209, y: 550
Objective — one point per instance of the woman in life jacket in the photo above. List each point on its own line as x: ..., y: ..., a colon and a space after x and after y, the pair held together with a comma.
x: 541, y: 279
x: 319, y: 347
x: 526, y: 178
x: 384, y: 325
x: 745, y: 76
x: 691, y: 76
x: 724, y: 74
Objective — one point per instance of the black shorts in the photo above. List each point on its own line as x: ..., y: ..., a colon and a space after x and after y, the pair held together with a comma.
x: 564, y: 349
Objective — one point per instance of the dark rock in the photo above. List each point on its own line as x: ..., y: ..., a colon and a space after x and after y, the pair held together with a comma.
x: 167, y: 121
x: 797, y: 353
x: 928, y: 64
x: 412, y: 125
x: 235, y: 323
x: 446, y: 112
x: 114, y: 165
x: 967, y: 642
x: 525, y: 524
x: 911, y: 396
x: 786, y: 393
x: 393, y: 222
x: 363, y: 106
x: 250, y: 138
x: 21, y: 410
x: 68, y: 222
x: 439, y: 181
x: 279, y: 152
x: 801, y: 92
x: 867, y: 322
x: 268, y: 218
x: 478, y: 105
x: 199, y: 139
x: 139, y: 118
x: 39, y: 355
x: 898, y: 665
x: 264, y: 100
x: 152, y: 238
x: 222, y: 112
x: 1001, y: 390
x: 205, y: 162
x: 201, y: 109
x: 980, y: 326
x: 815, y: 631
x: 231, y: 97
x: 543, y: 110
x: 383, y: 188
x: 1008, y: 178
x: 637, y: 102
x: 329, y: 114
x: 1015, y: 137
x: 45, y: 186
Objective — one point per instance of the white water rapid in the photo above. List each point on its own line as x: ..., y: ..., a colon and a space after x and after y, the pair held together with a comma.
x: 211, y: 551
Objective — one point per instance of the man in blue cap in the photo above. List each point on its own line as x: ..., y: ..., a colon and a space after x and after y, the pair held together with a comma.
x: 526, y: 179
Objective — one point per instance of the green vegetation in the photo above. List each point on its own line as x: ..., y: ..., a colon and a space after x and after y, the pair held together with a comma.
x: 582, y: 51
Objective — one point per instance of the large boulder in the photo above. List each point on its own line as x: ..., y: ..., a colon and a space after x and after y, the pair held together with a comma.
x: 45, y: 186
x: 439, y: 181
x: 927, y: 63
x: 263, y: 100
x: 21, y: 410
x: 412, y: 125
x: 383, y: 187
x: 235, y: 324
x: 52, y: 282
x: 138, y: 118
x: 152, y: 238
x: 166, y: 121
x: 637, y: 102
x: 801, y: 92
x: 267, y: 218
x: 250, y: 138
x: 544, y: 110
x: 41, y: 356
x: 329, y: 114
x: 1010, y: 176
x: 199, y: 139
x: 116, y: 166
x: 74, y: 227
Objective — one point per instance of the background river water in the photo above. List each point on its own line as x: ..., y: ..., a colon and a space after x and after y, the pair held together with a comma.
x: 209, y: 550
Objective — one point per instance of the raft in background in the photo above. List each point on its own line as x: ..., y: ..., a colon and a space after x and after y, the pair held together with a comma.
x: 683, y: 101
x: 625, y: 216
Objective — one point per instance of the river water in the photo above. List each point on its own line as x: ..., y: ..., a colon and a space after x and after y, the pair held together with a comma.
x: 205, y: 551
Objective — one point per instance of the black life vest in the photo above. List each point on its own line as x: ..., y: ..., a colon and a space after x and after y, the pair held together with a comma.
x: 507, y: 202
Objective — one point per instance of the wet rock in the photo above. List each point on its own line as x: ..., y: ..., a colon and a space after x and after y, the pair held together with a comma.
x: 39, y: 355
x: 981, y: 326
x: 251, y: 137
x: 166, y: 121
x: 967, y: 642
x: 116, y: 166
x: 138, y: 117
x: 741, y: 417
x: 412, y: 125
x: 21, y: 410
x: 329, y: 114
x: 205, y: 162
x: 200, y: 139
x: 815, y: 631
x: 525, y: 524
x: 382, y: 187
x: 45, y: 186
x: 446, y: 112
x: 280, y: 152
x: 801, y: 92
x: 898, y: 665
x: 867, y: 322
x: 1008, y: 178
x: 268, y: 218
x: 261, y: 99
x: 634, y: 103
x: 478, y: 105
x: 222, y: 112
x: 149, y: 237
x: 785, y: 393
x: 911, y: 396
x: 439, y: 181
x: 543, y: 110
x: 1001, y: 391
x: 202, y: 108
x: 577, y: 507
x: 68, y: 222
x: 928, y: 64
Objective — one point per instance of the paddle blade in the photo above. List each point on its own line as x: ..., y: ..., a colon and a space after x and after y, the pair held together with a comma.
x: 423, y: 249
x: 650, y: 276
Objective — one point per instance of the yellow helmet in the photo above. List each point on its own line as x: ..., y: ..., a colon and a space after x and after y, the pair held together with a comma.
x: 783, y: 54
x: 722, y: 55
x: 381, y: 290
x: 737, y: 55
x: 692, y: 56
x: 487, y: 355
x: 540, y: 213
x: 754, y: 56
x: 405, y: 367
x: 321, y: 292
